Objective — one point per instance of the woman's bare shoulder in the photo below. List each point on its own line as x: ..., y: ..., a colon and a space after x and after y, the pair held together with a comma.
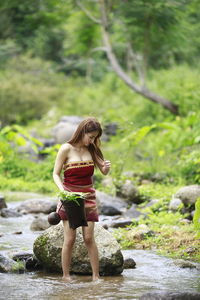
x: 66, y: 147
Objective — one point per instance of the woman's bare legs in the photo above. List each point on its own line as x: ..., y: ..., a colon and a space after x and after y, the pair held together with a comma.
x: 69, y: 240
x: 88, y: 236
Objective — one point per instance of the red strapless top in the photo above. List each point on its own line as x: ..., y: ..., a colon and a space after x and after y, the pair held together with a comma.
x: 79, y: 173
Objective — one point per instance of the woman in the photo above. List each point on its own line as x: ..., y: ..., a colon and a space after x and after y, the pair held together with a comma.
x: 78, y: 157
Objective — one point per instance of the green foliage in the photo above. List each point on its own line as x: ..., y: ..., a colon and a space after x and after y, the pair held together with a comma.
x: 48, y: 44
x: 19, y: 136
x: 170, y: 237
x: 160, y: 32
x: 189, y: 166
x: 153, y: 28
x: 158, y: 219
x: 158, y: 191
x: 7, y: 50
x: 36, y: 26
x: 11, y: 167
x: 168, y: 144
x: 180, y: 84
x: 15, y: 135
x: 121, y: 236
x: 27, y: 90
x: 19, y: 184
x: 51, y: 151
x: 144, y: 143
x: 136, y: 136
x: 82, y: 33
x: 71, y: 196
x: 14, y: 165
x: 196, y: 218
x: 43, y: 170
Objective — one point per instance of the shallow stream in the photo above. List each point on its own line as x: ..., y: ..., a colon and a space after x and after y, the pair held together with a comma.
x: 152, y: 273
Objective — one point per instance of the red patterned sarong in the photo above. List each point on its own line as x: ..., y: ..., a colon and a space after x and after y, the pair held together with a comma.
x: 78, y: 178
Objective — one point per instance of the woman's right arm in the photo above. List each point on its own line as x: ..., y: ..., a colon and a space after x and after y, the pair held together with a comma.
x: 61, y: 157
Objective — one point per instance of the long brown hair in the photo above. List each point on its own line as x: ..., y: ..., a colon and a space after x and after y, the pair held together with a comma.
x: 86, y: 126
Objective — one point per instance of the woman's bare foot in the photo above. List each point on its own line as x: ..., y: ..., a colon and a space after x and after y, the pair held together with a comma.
x: 67, y: 279
x: 95, y: 278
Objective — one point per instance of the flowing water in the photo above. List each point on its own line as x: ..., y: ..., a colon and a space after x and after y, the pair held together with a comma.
x: 152, y: 273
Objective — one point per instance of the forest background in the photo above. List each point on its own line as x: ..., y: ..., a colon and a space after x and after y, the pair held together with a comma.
x: 132, y: 63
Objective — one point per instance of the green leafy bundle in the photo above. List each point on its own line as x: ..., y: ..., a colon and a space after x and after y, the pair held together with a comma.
x: 71, y: 196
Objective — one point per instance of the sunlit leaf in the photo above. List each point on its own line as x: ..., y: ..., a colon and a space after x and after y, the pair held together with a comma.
x: 135, y: 137
x: 20, y: 141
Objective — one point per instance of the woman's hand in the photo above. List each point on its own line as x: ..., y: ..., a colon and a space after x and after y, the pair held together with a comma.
x: 106, y: 167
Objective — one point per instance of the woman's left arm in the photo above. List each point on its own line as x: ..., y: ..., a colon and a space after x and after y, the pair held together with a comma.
x: 104, y: 167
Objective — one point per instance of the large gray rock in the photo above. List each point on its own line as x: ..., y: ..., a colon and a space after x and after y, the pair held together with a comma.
x: 111, y: 128
x: 65, y: 128
x: 109, y: 222
x: 132, y: 212
x: 39, y: 223
x: 71, y: 119
x: 150, y: 203
x: 188, y: 194
x: 29, y: 260
x: 47, y: 249
x: 120, y: 223
x: 104, y: 199
x: 129, y: 192
x: 107, y: 181
x: 37, y: 206
x: 9, y: 213
x: 108, y: 210
x: 2, y: 202
x: 175, y: 204
x: 182, y: 263
x: 129, y: 263
x: 21, y: 256
x: 8, y: 265
x: 62, y: 132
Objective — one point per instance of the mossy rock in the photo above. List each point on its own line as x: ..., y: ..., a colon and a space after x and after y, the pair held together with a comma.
x: 48, y: 246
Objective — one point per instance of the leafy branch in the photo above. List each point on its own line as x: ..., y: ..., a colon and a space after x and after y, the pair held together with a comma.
x: 71, y: 196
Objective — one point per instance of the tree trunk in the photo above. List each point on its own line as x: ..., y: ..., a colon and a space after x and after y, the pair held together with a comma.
x: 145, y: 92
x: 142, y: 90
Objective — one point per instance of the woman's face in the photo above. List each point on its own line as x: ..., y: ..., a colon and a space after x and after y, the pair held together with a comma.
x: 89, y: 138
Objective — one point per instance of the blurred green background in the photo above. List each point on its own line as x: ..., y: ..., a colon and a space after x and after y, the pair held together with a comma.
x: 53, y: 63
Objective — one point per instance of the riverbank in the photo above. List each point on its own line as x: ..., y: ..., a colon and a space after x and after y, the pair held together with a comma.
x: 170, y: 233
x: 167, y: 233
x: 176, y: 241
